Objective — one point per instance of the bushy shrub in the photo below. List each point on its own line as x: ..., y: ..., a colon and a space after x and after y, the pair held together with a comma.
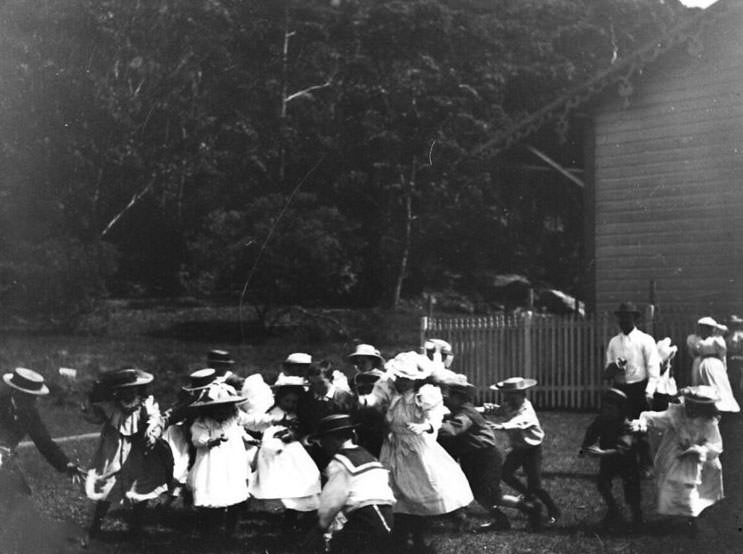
x: 53, y: 282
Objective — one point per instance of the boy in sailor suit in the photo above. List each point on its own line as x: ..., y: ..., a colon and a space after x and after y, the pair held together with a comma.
x: 357, y: 489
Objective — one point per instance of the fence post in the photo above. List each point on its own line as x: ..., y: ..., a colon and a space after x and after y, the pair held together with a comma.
x: 423, y: 329
x: 528, y: 354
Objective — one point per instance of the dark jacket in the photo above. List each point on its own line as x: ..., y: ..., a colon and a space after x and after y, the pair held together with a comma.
x: 466, y: 430
x: 17, y: 422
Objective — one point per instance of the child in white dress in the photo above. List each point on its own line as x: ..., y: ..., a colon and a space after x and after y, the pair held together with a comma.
x: 219, y: 476
x: 285, y: 471
x: 687, y: 466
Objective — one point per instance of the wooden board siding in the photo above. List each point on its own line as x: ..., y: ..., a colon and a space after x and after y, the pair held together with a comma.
x: 668, y: 182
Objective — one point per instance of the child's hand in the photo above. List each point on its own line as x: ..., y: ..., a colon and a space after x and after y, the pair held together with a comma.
x: 419, y: 428
x: 489, y: 409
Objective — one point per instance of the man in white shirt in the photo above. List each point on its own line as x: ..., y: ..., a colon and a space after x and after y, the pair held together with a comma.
x: 632, y: 361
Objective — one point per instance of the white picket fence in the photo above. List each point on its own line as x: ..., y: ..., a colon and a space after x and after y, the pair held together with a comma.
x: 564, y: 354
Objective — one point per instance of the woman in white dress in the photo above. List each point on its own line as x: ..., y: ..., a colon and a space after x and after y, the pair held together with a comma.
x: 426, y: 481
x: 219, y: 476
x: 687, y: 466
x: 708, y: 349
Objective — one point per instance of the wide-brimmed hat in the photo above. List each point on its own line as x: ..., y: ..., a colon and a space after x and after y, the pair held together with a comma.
x: 707, y: 321
x: 615, y: 395
x: 627, y: 308
x: 285, y: 381
x: 514, y: 384
x: 735, y: 320
x: 409, y: 365
x: 299, y: 358
x: 26, y: 380
x: 218, y: 393
x: 439, y: 345
x: 200, y: 379
x: 332, y: 423
x: 665, y: 350
x: 701, y: 394
x: 128, y: 377
x: 366, y: 350
x: 457, y: 382
x: 219, y: 357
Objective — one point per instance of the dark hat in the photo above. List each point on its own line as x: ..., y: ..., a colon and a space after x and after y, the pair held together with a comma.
x: 332, y: 423
x: 514, y: 384
x: 200, y: 379
x: 128, y: 377
x: 219, y: 357
x: 27, y: 381
x: 615, y: 395
x: 627, y: 308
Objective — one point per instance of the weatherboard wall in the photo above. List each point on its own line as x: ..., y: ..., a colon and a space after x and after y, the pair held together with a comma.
x: 668, y: 182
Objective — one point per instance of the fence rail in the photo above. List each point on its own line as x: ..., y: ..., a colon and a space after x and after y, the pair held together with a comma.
x: 564, y: 354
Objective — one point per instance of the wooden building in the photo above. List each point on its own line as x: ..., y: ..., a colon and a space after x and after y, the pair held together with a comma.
x: 663, y: 175
x: 665, y: 183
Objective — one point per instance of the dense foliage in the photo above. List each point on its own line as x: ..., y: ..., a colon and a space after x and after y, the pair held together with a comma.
x: 327, y: 140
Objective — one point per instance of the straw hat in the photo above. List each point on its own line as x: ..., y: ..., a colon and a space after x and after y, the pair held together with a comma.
x: 514, y: 384
x: 665, y: 350
x: 707, y: 321
x: 129, y: 377
x: 366, y: 350
x: 284, y: 381
x: 27, y: 381
x: 439, y: 345
x: 219, y: 357
x: 299, y: 358
x: 409, y: 365
x: 200, y: 379
x: 615, y: 394
x: 218, y: 393
x: 701, y: 394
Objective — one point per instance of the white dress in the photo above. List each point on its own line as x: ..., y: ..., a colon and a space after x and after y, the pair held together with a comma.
x: 686, y: 484
x: 709, y: 368
x: 425, y: 479
x: 285, y: 471
x: 219, y: 476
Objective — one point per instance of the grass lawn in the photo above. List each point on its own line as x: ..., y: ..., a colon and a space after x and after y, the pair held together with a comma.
x: 568, y: 478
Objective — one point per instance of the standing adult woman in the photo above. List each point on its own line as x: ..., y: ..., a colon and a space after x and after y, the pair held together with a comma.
x: 708, y: 349
x: 426, y: 481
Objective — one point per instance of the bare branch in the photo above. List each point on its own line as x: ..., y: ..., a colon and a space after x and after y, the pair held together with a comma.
x: 136, y: 198
x: 307, y: 90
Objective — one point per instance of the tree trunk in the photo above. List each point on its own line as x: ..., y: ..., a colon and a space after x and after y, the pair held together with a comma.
x: 407, y: 239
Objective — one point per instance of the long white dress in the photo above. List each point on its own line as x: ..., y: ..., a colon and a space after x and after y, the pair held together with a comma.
x: 425, y: 479
x: 219, y: 476
x: 686, y: 484
x: 709, y: 368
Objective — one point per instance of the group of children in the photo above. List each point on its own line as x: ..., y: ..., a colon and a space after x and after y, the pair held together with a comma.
x: 366, y: 463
